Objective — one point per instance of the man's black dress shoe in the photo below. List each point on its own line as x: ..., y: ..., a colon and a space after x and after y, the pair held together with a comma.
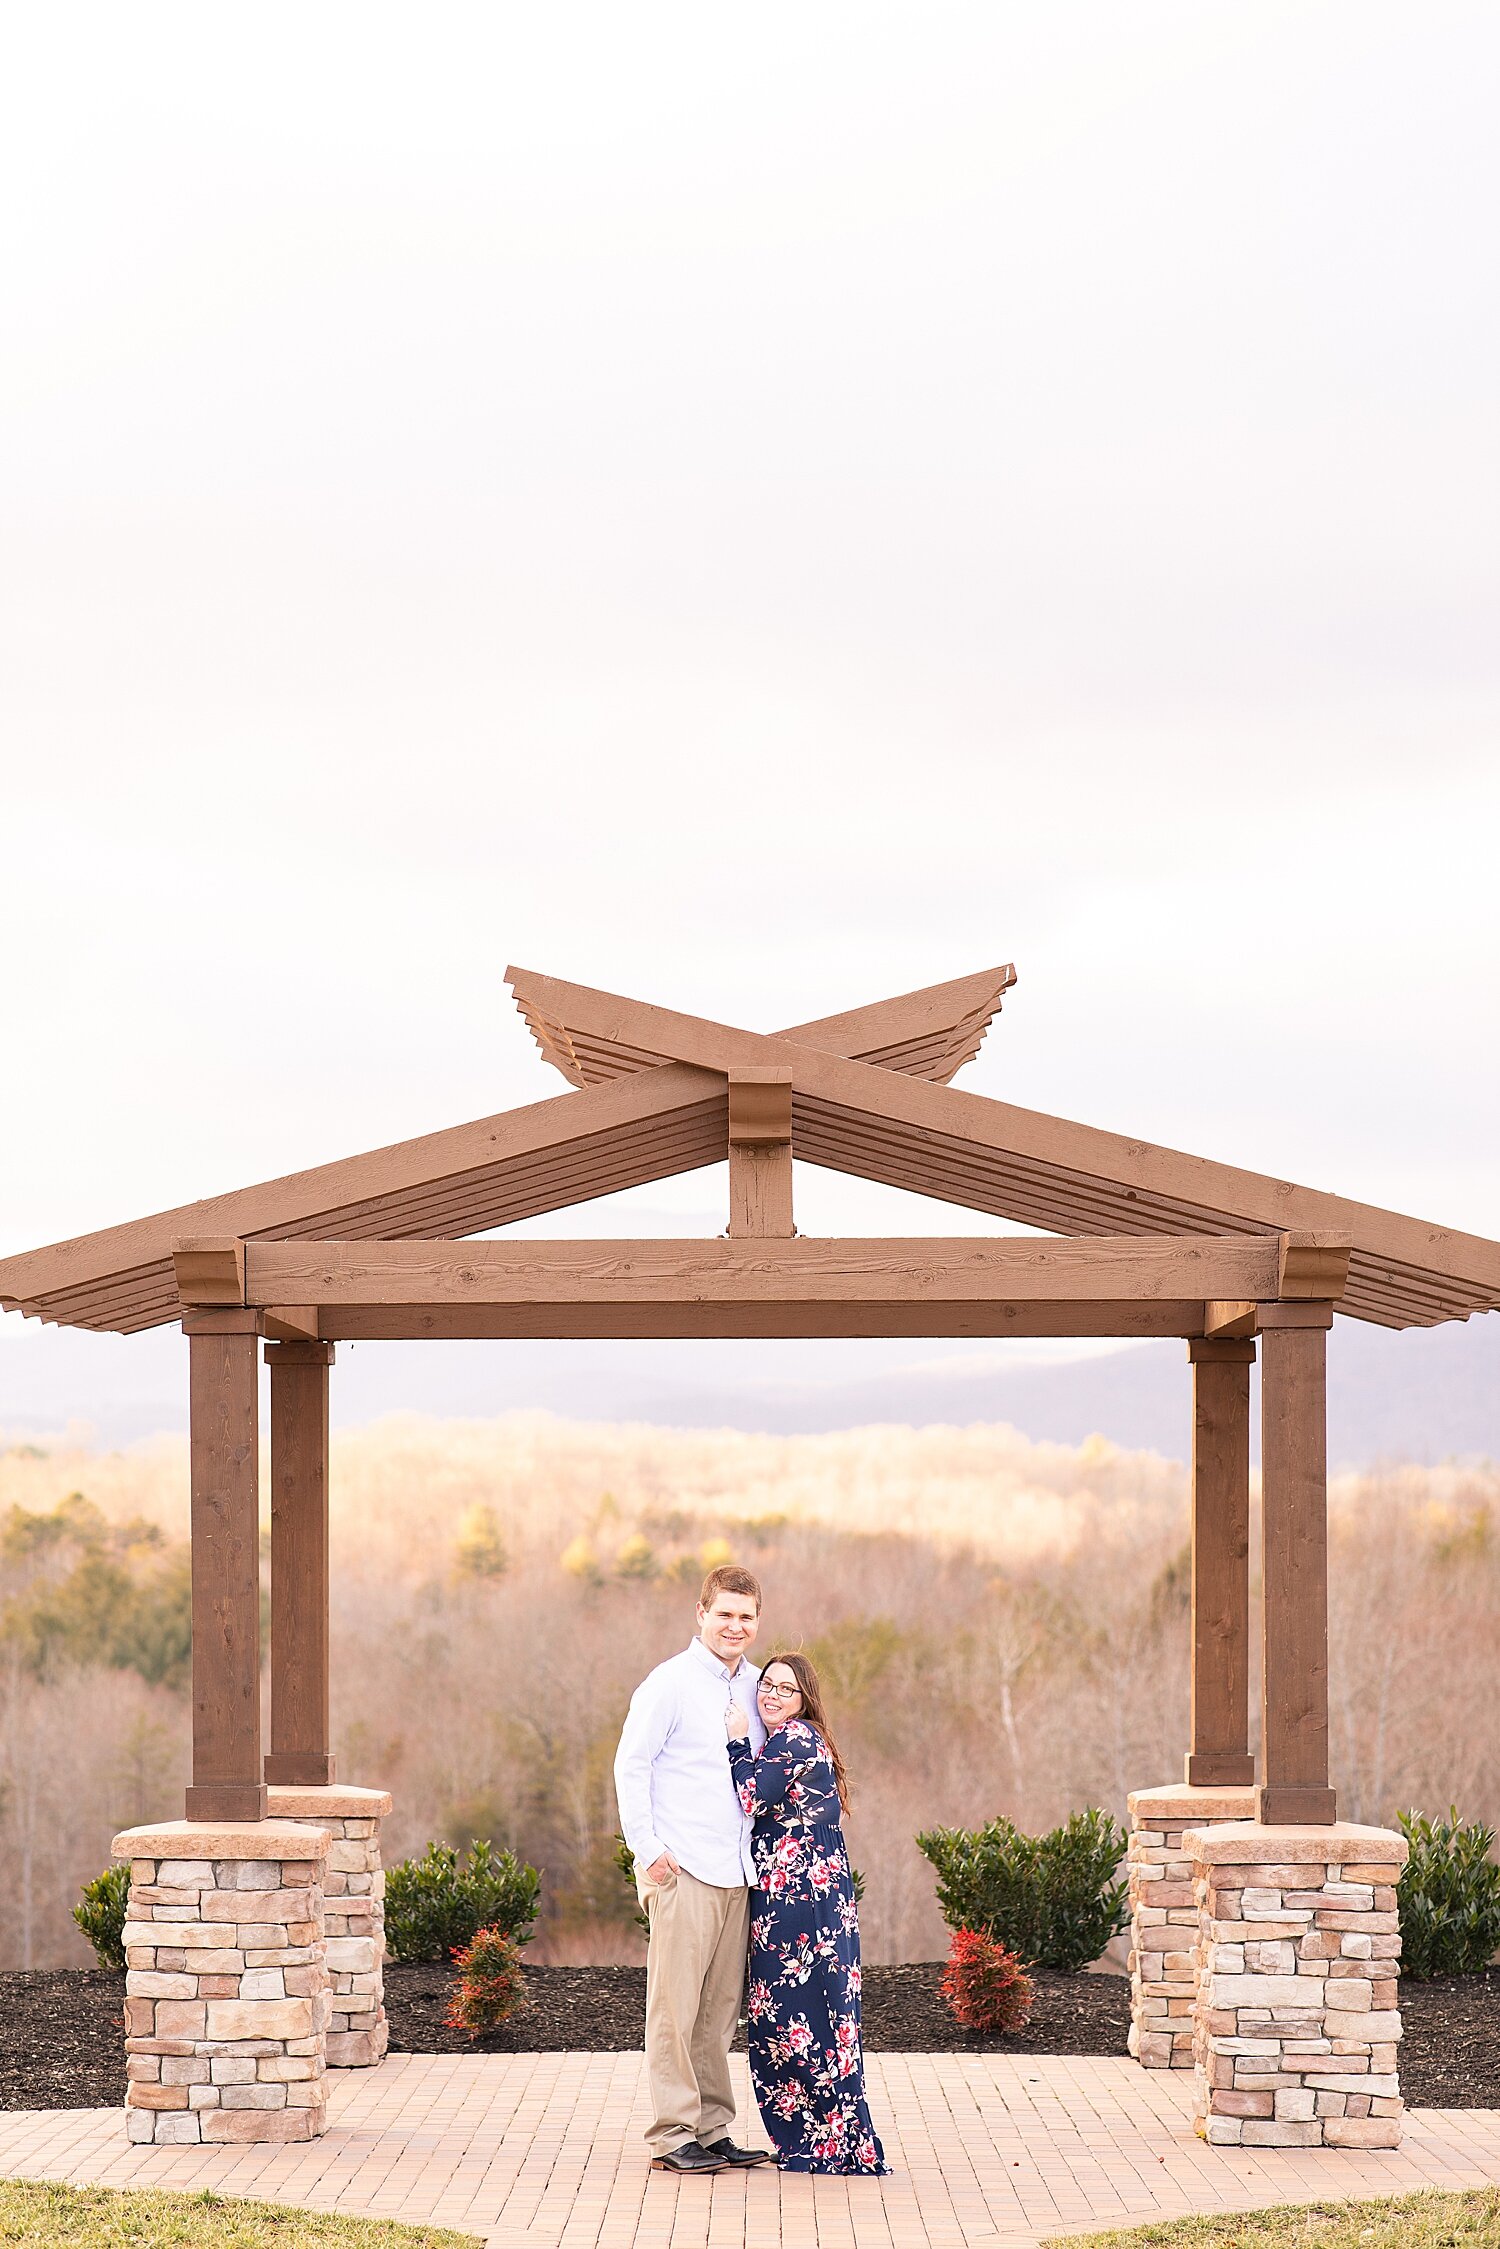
x: 691, y: 2157
x: 739, y: 2158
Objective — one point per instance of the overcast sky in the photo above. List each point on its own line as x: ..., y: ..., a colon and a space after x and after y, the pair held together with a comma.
x: 758, y: 511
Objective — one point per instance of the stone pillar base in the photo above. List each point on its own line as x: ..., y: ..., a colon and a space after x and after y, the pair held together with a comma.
x: 1164, y: 1918
x: 1299, y: 1951
x: 226, y: 1994
x: 354, y: 1912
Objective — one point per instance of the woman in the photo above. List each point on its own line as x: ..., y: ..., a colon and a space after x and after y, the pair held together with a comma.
x: 805, y: 2055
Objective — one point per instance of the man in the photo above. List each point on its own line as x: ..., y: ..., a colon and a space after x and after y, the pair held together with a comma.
x: 694, y: 1872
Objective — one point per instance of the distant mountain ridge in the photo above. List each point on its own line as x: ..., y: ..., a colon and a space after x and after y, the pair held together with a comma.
x: 1422, y: 1395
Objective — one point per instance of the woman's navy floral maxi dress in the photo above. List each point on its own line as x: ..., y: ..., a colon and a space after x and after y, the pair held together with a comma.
x: 805, y: 2053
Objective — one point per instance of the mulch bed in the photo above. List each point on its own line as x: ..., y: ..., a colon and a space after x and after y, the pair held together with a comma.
x: 62, y: 2037
x: 602, y: 2011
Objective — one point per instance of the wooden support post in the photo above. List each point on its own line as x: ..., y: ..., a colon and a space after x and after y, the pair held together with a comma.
x: 227, y: 1783
x: 760, y: 1152
x: 1219, y: 1740
x: 1294, y: 1789
x: 299, y: 1755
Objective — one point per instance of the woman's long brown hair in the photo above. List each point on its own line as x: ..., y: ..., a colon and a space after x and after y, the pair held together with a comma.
x: 812, y: 1710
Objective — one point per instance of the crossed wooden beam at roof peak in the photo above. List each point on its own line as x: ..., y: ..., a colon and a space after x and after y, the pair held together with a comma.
x: 662, y: 1093
x: 593, y: 1036
x: 858, y: 1103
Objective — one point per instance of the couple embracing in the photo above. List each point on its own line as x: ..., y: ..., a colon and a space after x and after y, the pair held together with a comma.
x: 730, y: 1791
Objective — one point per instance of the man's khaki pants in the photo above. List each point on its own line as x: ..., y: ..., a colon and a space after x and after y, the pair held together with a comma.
x: 695, y: 1977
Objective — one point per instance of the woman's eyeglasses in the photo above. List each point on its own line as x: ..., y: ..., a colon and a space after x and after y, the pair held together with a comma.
x: 774, y: 1687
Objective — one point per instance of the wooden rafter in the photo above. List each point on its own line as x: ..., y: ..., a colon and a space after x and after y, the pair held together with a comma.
x: 440, y: 1186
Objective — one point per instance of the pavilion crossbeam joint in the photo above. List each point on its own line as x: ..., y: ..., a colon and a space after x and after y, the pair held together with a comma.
x: 210, y: 1271
x: 760, y: 1150
x: 1314, y: 1262
x: 760, y: 1108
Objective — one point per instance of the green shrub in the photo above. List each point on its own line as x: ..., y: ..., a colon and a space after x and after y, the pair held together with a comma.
x: 1053, y: 1900
x: 491, y: 1985
x: 101, y: 1914
x: 436, y: 1905
x: 1448, y: 1895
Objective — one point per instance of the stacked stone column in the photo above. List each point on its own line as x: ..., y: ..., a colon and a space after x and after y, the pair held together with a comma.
x: 1298, y: 2016
x: 1164, y: 1915
x: 226, y: 1993
x: 354, y: 1912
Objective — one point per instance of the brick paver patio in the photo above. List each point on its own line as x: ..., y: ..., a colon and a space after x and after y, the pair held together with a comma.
x: 542, y: 2151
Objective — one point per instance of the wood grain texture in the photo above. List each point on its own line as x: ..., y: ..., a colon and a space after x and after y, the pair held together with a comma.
x: 1314, y: 1264
x: 929, y: 1033
x: 760, y: 1107
x: 1219, y: 1696
x: 1293, y: 1315
x: 945, y: 1269
x: 760, y: 1188
x: 1294, y: 1787
x: 760, y: 1152
x: 210, y: 1272
x: 221, y: 1319
x: 300, y: 1754
x: 224, y: 1446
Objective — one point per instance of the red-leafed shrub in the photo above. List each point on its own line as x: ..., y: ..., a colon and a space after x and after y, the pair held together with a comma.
x: 985, y: 1986
x: 490, y: 1984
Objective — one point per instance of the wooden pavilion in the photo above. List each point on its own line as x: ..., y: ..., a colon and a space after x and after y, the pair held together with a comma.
x: 1145, y: 1242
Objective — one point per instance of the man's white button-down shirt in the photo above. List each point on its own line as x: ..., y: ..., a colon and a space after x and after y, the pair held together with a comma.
x: 672, y: 1778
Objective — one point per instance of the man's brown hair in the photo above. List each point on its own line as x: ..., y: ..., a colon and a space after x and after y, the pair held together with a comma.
x: 729, y: 1578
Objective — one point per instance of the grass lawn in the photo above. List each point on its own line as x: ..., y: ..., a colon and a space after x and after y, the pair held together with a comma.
x: 1415, y: 2221
x: 39, y: 2211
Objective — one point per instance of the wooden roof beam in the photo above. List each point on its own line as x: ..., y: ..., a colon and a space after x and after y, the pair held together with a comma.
x: 830, y: 1086
x: 928, y: 1033
x: 314, y: 1201
x: 945, y: 1270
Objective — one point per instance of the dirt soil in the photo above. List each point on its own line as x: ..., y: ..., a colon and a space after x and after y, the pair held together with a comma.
x: 62, y: 2030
